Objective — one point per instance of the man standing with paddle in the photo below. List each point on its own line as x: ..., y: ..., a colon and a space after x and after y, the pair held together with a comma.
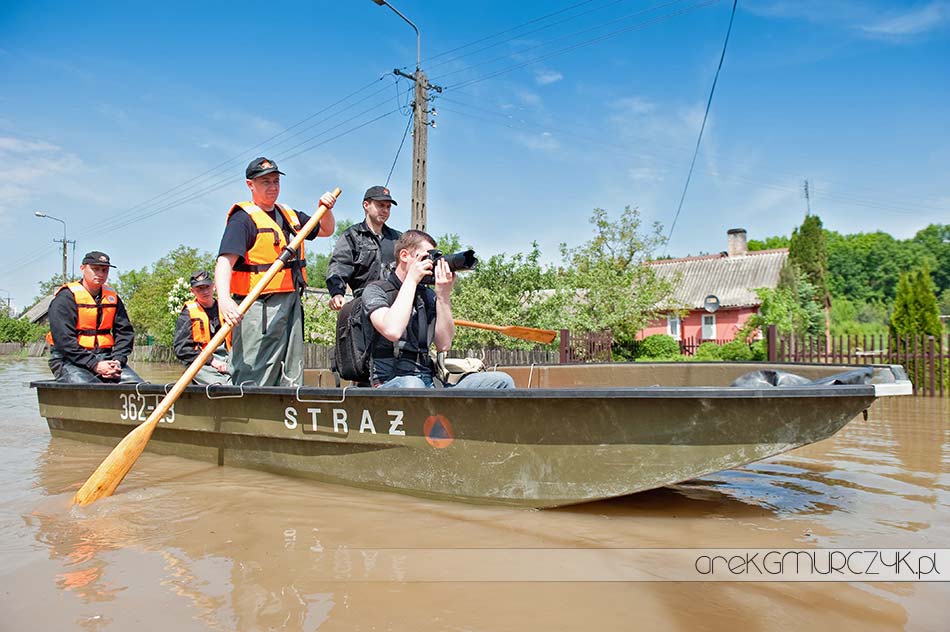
x: 410, y: 316
x: 267, y: 347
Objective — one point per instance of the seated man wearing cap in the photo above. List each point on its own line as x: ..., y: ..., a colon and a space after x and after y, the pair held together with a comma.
x: 267, y: 345
x: 196, y: 325
x: 364, y: 252
x: 90, y: 331
x: 409, y: 317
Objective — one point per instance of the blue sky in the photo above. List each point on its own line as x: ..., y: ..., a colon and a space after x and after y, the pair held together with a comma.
x: 133, y: 122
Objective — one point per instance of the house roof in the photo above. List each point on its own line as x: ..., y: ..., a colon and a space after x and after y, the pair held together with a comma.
x: 36, y: 313
x: 732, y: 279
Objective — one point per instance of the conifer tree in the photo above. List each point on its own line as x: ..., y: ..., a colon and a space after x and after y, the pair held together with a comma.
x: 928, y: 315
x: 915, y: 306
x: 808, y: 251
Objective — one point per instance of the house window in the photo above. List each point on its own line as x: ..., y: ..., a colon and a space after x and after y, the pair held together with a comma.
x: 673, y: 326
x: 709, y: 326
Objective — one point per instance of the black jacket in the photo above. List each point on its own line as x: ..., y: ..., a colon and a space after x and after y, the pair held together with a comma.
x: 184, y: 341
x: 63, y: 316
x: 360, y: 257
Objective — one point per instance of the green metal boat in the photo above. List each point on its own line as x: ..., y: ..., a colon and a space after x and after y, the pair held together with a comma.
x: 568, y: 434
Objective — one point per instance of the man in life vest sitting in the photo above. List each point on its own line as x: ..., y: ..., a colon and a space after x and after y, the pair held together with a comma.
x: 90, y: 331
x: 267, y: 345
x: 196, y: 325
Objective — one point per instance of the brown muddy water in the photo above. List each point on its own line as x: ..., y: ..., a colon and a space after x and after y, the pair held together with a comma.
x: 191, y: 546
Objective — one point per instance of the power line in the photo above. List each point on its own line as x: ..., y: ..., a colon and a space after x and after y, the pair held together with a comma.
x: 712, y: 91
x: 404, y: 134
x: 201, y: 179
x: 540, y: 28
x: 228, y: 180
x: 514, y: 28
x: 510, y: 122
x: 636, y: 27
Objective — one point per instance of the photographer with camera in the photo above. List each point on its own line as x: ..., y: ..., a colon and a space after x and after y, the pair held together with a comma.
x: 409, y: 316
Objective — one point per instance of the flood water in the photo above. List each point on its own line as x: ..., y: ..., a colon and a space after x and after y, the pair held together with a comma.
x: 185, y: 545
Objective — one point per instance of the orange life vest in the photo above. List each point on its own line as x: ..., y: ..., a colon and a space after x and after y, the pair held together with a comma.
x: 93, y: 321
x: 201, y: 326
x: 267, y: 247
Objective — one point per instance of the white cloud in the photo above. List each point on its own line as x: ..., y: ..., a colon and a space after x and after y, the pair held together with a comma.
x: 646, y: 174
x: 546, y: 77
x: 248, y: 123
x: 30, y: 165
x: 528, y: 98
x: 875, y: 19
x: 910, y: 23
x: 545, y: 141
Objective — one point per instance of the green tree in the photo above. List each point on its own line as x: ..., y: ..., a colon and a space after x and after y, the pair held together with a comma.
x: 49, y: 286
x: 20, y: 329
x: 915, y: 307
x: 614, y: 290
x: 145, y: 292
x: 791, y: 307
x: 318, y: 262
x: 808, y: 252
x: 769, y: 243
x: 935, y: 240
x: 944, y: 303
x: 505, y: 290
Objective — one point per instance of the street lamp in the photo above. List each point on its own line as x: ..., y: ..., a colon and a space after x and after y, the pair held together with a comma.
x: 408, y: 21
x: 420, y: 126
x: 63, y: 240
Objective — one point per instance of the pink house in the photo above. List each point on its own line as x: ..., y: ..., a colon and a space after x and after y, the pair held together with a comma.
x: 729, y: 277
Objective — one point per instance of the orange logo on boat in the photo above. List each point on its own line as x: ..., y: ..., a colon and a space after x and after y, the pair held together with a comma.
x: 438, y: 431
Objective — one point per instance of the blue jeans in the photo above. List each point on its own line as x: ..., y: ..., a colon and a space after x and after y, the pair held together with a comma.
x: 481, y: 380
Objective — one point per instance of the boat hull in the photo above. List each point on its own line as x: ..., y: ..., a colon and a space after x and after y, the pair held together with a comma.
x: 535, y: 447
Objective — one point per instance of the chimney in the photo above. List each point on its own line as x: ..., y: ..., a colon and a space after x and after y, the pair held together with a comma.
x: 737, y: 242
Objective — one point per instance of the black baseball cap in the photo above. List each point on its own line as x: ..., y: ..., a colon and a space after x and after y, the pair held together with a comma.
x: 96, y: 258
x: 200, y: 278
x: 379, y: 193
x: 260, y: 167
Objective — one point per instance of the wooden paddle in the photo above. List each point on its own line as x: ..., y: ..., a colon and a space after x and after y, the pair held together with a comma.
x: 543, y: 336
x: 111, y: 471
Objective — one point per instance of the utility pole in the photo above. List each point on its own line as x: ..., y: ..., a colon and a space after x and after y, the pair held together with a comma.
x: 807, y: 200
x: 63, y: 241
x: 420, y: 133
x: 420, y: 126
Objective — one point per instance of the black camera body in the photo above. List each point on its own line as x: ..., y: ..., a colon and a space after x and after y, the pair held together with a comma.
x: 457, y: 261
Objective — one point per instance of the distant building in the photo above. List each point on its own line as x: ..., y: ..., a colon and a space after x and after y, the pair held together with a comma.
x: 39, y: 312
x: 730, y: 276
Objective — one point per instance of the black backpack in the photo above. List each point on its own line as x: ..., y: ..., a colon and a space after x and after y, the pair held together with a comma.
x: 355, y: 337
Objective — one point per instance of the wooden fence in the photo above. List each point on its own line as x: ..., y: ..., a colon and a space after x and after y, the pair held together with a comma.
x: 591, y: 346
x: 583, y: 347
x: 925, y: 358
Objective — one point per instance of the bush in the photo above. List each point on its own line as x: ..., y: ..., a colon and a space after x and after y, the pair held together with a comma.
x: 708, y: 351
x: 20, y: 330
x: 736, y: 351
x: 659, y: 347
